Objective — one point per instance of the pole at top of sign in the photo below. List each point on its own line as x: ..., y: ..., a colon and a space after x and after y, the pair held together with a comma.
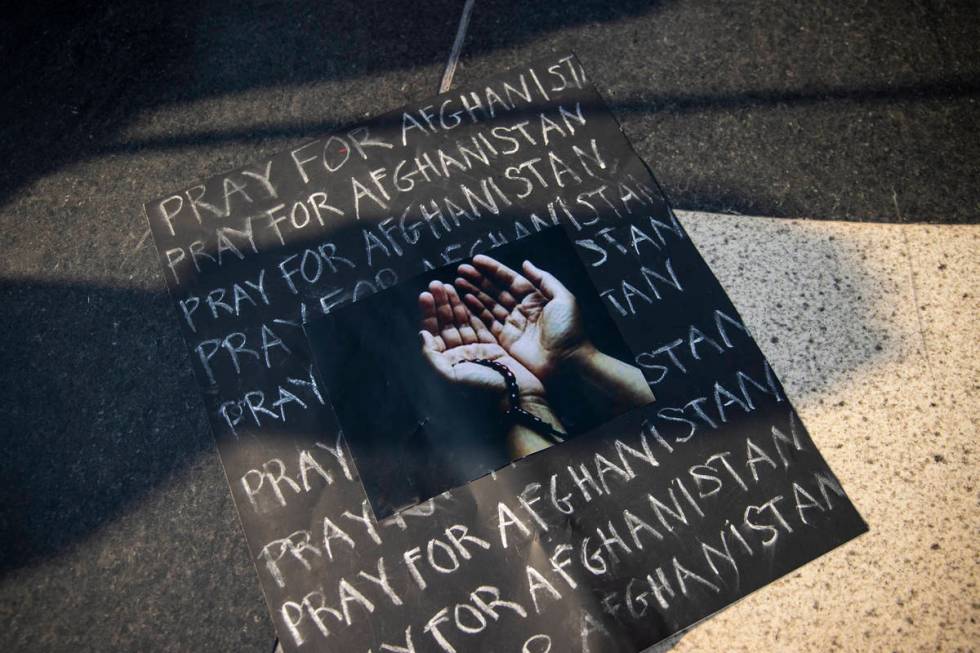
x: 464, y: 21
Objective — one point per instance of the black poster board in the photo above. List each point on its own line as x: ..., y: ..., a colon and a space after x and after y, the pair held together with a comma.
x: 608, y: 542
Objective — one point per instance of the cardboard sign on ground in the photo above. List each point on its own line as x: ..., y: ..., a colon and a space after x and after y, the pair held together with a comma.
x: 407, y: 535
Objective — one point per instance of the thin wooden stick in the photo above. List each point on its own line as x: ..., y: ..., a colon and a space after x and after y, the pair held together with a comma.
x: 464, y: 21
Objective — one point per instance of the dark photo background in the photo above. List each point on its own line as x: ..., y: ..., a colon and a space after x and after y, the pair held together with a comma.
x: 412, y: 436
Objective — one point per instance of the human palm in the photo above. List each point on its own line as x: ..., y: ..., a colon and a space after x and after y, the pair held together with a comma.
x: 452, y: 337
x: 534, y: 318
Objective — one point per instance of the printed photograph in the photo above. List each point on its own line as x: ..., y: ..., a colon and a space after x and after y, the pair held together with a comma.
x: 453, y: 374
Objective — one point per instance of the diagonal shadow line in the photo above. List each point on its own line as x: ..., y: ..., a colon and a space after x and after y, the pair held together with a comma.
x: 640, y: 104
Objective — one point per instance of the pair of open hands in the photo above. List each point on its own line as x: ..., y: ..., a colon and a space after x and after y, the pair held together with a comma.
x: 528, y: 321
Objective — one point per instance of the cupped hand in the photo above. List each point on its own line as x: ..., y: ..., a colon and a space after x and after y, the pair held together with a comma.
x: 533, y: 316
x: 452, y: 336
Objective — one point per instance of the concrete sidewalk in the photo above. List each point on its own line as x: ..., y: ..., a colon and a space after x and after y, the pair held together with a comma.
x: 873, y: 331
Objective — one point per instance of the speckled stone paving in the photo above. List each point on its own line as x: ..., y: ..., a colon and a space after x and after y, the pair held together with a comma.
x: 873, y: 330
